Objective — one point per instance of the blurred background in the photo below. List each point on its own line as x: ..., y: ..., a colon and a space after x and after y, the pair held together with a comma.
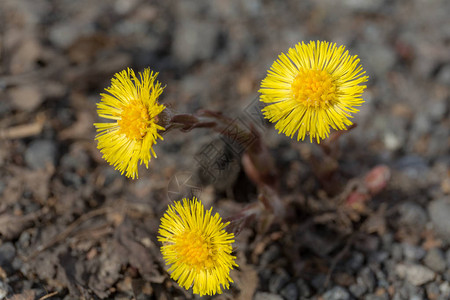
x: 71, y: 226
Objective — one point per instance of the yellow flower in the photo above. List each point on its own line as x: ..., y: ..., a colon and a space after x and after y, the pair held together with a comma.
x: 313, y: 87
x: 133, y: 109
x: 197, y: 247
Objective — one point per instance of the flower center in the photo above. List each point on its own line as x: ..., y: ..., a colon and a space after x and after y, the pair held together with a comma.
x: 194, y: 250
x: 134, y: 120
x: 314, y: 88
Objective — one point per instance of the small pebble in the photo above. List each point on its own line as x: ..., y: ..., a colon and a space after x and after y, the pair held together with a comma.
x: 17, y: 263
x: 432, y: 290
x: 397, y: 296
x: 375, y: 297
x: 368, y: 244
x: 380, y: 277
x: 414, y: 167
x: 445, y: 289
x: 365, y: 7
x: 368, y: 278
x: 358, y: 289
x: 397, y: 251
x: 4, y: 290
x: 444, y: 75
x: 439, y: 210
x: 447, y: 258
x: 188, y: 34
x: 412, y: 215
x: 389, y: 267
x: 289, y: 291
x: 7, y: 253
x: 303, y: 288
x: 382, y: 57
x: 266, y: 296
x: 413, y: 253
x: 447, y: 275
x: 387, y: 239
x: 264, y: 276
x: 26, y: 97
x: 318, y: 281
x: 378, y: 257
x: 409, y: 290
x: 336, y: 293
x: 270, y: 255
x: 437, y: 110
x: 278, y: 281
x: 435, y: 260
x: 416, y: 274
x: 355, y: 261
x: 40, y: 153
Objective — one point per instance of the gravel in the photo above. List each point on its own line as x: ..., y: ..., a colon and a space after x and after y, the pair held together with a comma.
x: 381, y: 60
x: 367, y: 277
x: 277, y: 281
x: 355, y: 261
x: 40, y: 153
x: 397, y: 251
x: 444, y: 75
x: 7, y: 253
x: 266, y: 296
x: 213, y: 55
x: 5, y: 289
x: 412, y: 214
x: 416, y: 274
x: 188, y: 34
x: 303, y: 289
x: 432, y: 290
x: 435, y: 260
x: 415, y: 167
x: 26, y: 98
x: 336, y: 293
x: 375, y: 297
x: 413, y: 253
x: 289, y: 291
x: 439, y: 211
x: 358, y: 289
x: 444, y: 288
x: 408, y: 290
x: 270, y: 255
x: 447, y: 258
x: 365, y: 6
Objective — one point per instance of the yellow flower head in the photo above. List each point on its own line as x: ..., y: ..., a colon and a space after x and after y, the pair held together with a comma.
x: 313, y: 87
x: 197, y: 247
x: 133, y: 109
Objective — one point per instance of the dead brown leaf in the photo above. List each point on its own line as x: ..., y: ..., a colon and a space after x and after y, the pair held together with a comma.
x: 377, y: 221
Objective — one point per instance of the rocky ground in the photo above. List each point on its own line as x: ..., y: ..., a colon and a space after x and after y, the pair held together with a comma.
x: 71, y: 227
